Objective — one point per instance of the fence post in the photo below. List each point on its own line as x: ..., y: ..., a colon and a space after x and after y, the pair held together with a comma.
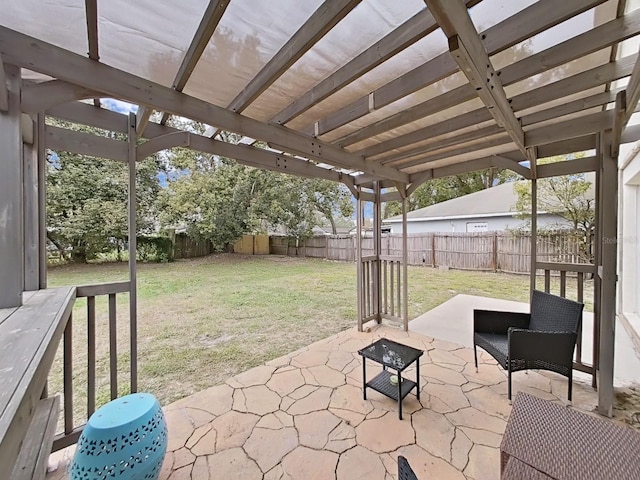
x: 495, y: 251
x: 433, y: 250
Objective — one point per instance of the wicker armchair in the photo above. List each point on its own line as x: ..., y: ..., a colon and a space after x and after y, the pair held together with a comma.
x: 543, y: 339
x: 404, y: 470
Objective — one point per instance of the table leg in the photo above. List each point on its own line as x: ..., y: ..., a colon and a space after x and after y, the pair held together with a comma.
x: 399, y: 395
x: 364, y: 378
x: 418, y: 378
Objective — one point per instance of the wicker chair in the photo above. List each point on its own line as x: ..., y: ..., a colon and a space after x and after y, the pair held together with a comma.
x: 543, y: 339
x: 404, y: 470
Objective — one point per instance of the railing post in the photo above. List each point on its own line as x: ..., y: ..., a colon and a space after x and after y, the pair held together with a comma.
x: 132, y: 232
x: 91, y: 355
x: 67, y: 374
x: 113, y: 347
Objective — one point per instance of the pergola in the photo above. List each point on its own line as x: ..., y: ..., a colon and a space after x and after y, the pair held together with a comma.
x: 381, y: 96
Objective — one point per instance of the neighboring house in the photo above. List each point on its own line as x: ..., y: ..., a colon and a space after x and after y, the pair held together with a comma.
x: 488, y: 210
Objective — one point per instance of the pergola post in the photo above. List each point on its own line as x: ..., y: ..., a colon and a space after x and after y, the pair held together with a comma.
x: 606, y: 270
x: 359, y: 291
x: 405, y: 258
x: 31, y: 207
x: 133, y: 289
x: 11, y: 197
x: 377, y: 250
x: 534, y: 232
x: 42, y: 200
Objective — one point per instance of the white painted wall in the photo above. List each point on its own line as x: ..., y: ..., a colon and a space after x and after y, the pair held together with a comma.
x: 460, y: 224
x: 629, y: 237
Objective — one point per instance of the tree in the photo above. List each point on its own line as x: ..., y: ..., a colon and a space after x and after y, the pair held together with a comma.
x: 87, y: 200
x: 218, y: 199
x: 567, y: 196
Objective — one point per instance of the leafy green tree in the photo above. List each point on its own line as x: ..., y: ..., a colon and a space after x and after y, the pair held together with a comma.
x: 87, y: 201
x: 218, y: 199
x: 567, y: 196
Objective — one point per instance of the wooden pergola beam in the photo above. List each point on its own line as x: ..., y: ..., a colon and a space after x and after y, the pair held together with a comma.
x: 557, y: 132
x: 91, y: 16
x: 504, y: 162
x: 54, y: 61
x: 443, y: 143
x: 39, y: 97
x: 163, y: 137
x: 546, y: 93
x: 467, y: 49
x: 568, y: 167
x: 626, y: 102
x: 524, y: 24
x: 592, y: 40
x: 317, y: 26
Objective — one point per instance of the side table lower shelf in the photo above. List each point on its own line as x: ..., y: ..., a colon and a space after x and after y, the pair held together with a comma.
x: 382, y: 383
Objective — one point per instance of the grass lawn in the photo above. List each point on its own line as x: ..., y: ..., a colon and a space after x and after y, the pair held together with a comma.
x: 203, y: 320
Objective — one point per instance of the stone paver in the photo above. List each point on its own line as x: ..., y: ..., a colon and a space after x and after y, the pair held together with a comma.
x: 267, y: 447
x: 233, y: 463
x: 385, y: 434
x: 309, y: 464
x: 303, y: 416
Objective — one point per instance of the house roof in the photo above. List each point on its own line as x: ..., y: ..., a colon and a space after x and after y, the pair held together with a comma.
x: 351, y: 90
x: 498, y: 200
x: 491, y: 202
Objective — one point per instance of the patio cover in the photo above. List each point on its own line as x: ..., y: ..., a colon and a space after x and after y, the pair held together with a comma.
x: 371, y: 93
x: 378, y: 83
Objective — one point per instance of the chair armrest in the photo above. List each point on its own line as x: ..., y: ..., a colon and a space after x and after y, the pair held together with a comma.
x: 552, y: 347
x: 490, y: 321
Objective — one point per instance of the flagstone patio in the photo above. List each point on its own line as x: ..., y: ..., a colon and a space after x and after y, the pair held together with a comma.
x: 302, y: 416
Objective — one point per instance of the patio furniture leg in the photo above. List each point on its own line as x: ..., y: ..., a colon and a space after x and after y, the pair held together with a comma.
x: 475, y: 356
x: 364, y: 378
x: 399, y: 395
x: 418, y: 379
x: 509, y: 381
x: 570, y: 383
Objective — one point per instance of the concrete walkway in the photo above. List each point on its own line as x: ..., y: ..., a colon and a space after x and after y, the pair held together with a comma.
x: 453, y: 321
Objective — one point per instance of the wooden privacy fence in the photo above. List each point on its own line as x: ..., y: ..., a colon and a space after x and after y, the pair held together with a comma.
x: 187, y: 247
x: 487, y: 251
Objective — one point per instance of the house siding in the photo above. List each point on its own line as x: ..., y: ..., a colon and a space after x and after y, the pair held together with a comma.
x: 493, y: 223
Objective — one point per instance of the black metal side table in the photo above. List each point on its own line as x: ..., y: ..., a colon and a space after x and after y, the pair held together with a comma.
x: 395, y: 356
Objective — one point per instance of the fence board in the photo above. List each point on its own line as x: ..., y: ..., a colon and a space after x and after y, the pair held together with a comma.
x: 486, y: 251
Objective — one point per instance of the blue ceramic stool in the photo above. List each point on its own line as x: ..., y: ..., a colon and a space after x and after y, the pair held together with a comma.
x: 124, y: 439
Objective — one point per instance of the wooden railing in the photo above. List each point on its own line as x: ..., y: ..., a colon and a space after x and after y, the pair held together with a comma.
x: 574, y: 272
x: 369, y: 271
x: 391, y: 287
x: 388, y: 300
x: 71, y: 431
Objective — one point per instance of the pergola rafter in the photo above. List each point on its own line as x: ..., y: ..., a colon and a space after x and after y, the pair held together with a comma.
x: 210, y: 19
x: 91, y: 15
x: 517, y: 28
x: 317, y: 26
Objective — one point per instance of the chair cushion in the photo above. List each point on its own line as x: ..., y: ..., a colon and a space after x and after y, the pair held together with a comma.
x: 495, y: 345
x: 550, y: 313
